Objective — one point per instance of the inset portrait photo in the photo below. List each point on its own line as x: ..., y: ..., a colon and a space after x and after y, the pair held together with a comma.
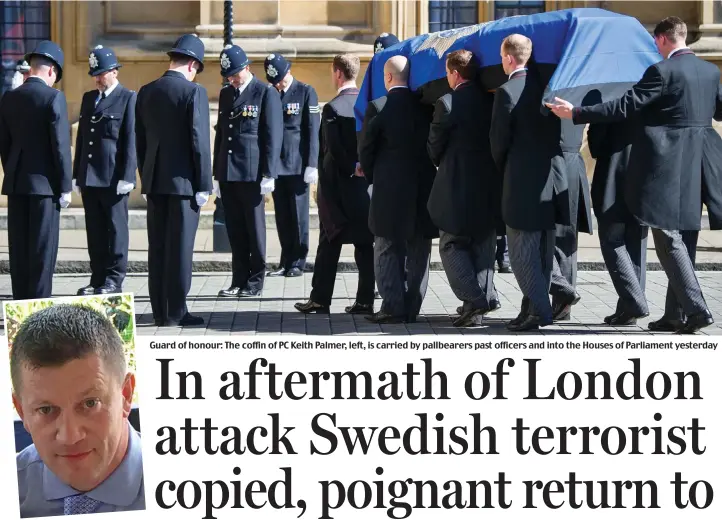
x: 77, y: 430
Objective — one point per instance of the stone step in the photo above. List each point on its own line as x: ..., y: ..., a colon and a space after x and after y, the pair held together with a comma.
x: 74, y: 218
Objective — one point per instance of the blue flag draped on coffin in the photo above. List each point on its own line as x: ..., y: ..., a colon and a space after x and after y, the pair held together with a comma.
x: 575, y: 51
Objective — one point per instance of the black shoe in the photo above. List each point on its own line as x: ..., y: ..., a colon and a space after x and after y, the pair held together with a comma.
x: 381, y: 318
x: 294, y: 272
x: 494, y: 305
x: 696, y: 322
x: 108, y: 288
x: 523, y: 312
x: 278, y: 272
x: 505, y: 269
x: 249, y: 292
x: 86, y: 291
x: 360, y: 308
x: 159, y: 323
x: 665, y: 325
x: 187, y: 321
x: 623, y: 319
x: 562, y: 307
x: 531, y: 322
x: 469, y: 318
x: 231, y: 292
x: 311, y: 306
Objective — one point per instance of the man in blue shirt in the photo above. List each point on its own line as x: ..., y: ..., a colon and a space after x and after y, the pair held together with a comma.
x: 73, y: 394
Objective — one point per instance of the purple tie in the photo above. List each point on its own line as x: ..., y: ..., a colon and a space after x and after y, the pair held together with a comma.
x: 79, y: 505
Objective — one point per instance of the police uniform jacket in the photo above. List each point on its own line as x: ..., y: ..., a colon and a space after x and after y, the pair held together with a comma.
x: 392, y: 152
x: 675, y: 101
x: 35, y: 141
x: 173, y: 142
x: 249, y: 134
x: 301, y: 120
x: 105, y: 143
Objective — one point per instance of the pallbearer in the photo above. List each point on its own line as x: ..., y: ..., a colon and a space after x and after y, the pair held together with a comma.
x: 35, y: 151
x: 247, y: 148
x: 298, y: 165
x: 104, y: 171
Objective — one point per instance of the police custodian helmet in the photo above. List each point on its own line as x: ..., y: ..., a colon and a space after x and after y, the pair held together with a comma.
x: 233, y: 59
x: 276, y: 67
x: 51, y: 51
x: 189, y: 45
x: 102, y: 59
x: 384, y: 41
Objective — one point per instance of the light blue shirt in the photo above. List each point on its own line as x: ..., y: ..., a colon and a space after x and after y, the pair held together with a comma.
x: 42, y: 493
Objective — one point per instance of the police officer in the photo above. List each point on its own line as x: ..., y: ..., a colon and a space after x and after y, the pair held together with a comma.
x: 174, y: 158
x: 246, y: 152
x: 104, y: 170
x: 35, y: 152
x: 298, y: 166
x: 384, y: 41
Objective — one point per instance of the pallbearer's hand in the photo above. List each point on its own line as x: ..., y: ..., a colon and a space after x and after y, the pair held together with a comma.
x: 370, y: 190
x: 216, y: 189
x: 561, y: 108
x: 201, y: 198
x: 124, y: 187
x: 76, y: 188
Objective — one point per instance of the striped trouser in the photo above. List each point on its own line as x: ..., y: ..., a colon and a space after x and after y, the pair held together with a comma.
x: 531, y: 254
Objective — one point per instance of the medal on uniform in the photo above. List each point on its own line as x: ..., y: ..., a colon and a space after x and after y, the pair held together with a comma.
x: 255, y: 111
x: 245, y: 111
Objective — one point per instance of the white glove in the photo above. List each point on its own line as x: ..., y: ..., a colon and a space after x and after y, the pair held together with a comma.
x: 370, y: 190
x: 124, y: 187
x: 65, y: 199
x: 267, y: 185
x: 76, y: 188
x: 216, y: 189
x: 145, y: 197
x: 202, y: 198
x: 310, y: 175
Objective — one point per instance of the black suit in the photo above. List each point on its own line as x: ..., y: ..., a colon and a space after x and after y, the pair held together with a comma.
x: 301, y: 121
x: 343, y: 202
x: 622, y: 239
x: 105, y: 154
x: 35, y: 152
x: 174, y: 159
x: 247, y: 147
x: 526, y: 147
x: 463, y: 199
x: 675, y: 102
x: 392, y: 153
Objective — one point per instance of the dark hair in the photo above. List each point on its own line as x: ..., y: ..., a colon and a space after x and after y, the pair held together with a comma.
x: 463, y: 62
x: 673, y: 28
x: 348, y: 64
x: 62, y: 333
x: 181, y: 59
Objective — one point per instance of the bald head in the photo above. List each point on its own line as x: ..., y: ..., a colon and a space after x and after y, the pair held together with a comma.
x: 396, y: 72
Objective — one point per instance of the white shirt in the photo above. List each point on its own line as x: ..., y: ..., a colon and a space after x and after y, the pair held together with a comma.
x: 288, y: 87
x: 345, y: 87
x: 110, y: 89
x: 462, y: 83
x: 245, y: 85
x: 397, y: 86
x: 519, y: 69
x: 675, y: 51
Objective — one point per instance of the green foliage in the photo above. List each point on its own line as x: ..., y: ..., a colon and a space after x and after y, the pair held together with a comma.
x: 118, y: 309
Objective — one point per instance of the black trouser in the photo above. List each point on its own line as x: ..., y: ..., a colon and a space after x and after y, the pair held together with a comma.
x: 172, y: 226
x: 326, y: 264
x: 290, y: 200
x: 246, y: 226
x: 33, y: 236
x: 106, y: 225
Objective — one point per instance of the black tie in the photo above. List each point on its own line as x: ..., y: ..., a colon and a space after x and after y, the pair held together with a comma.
x: 102, y: 97
x: 283, y: 93
x: 236, y: 93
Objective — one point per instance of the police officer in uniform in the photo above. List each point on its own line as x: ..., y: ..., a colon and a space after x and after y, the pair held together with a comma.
x: 384, y: 41
x: 104, y: 171
x: 173, y: 141
x: 247, y: 148
x: 35, y: 152
x: 298, y: 166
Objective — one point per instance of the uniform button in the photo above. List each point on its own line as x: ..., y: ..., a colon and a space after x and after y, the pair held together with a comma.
x: 230, y: 126
x: 230, y: 151
x: 90, y: 156
x: 91, y: 143
x: 230, y: 139
x: 92, y: 129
